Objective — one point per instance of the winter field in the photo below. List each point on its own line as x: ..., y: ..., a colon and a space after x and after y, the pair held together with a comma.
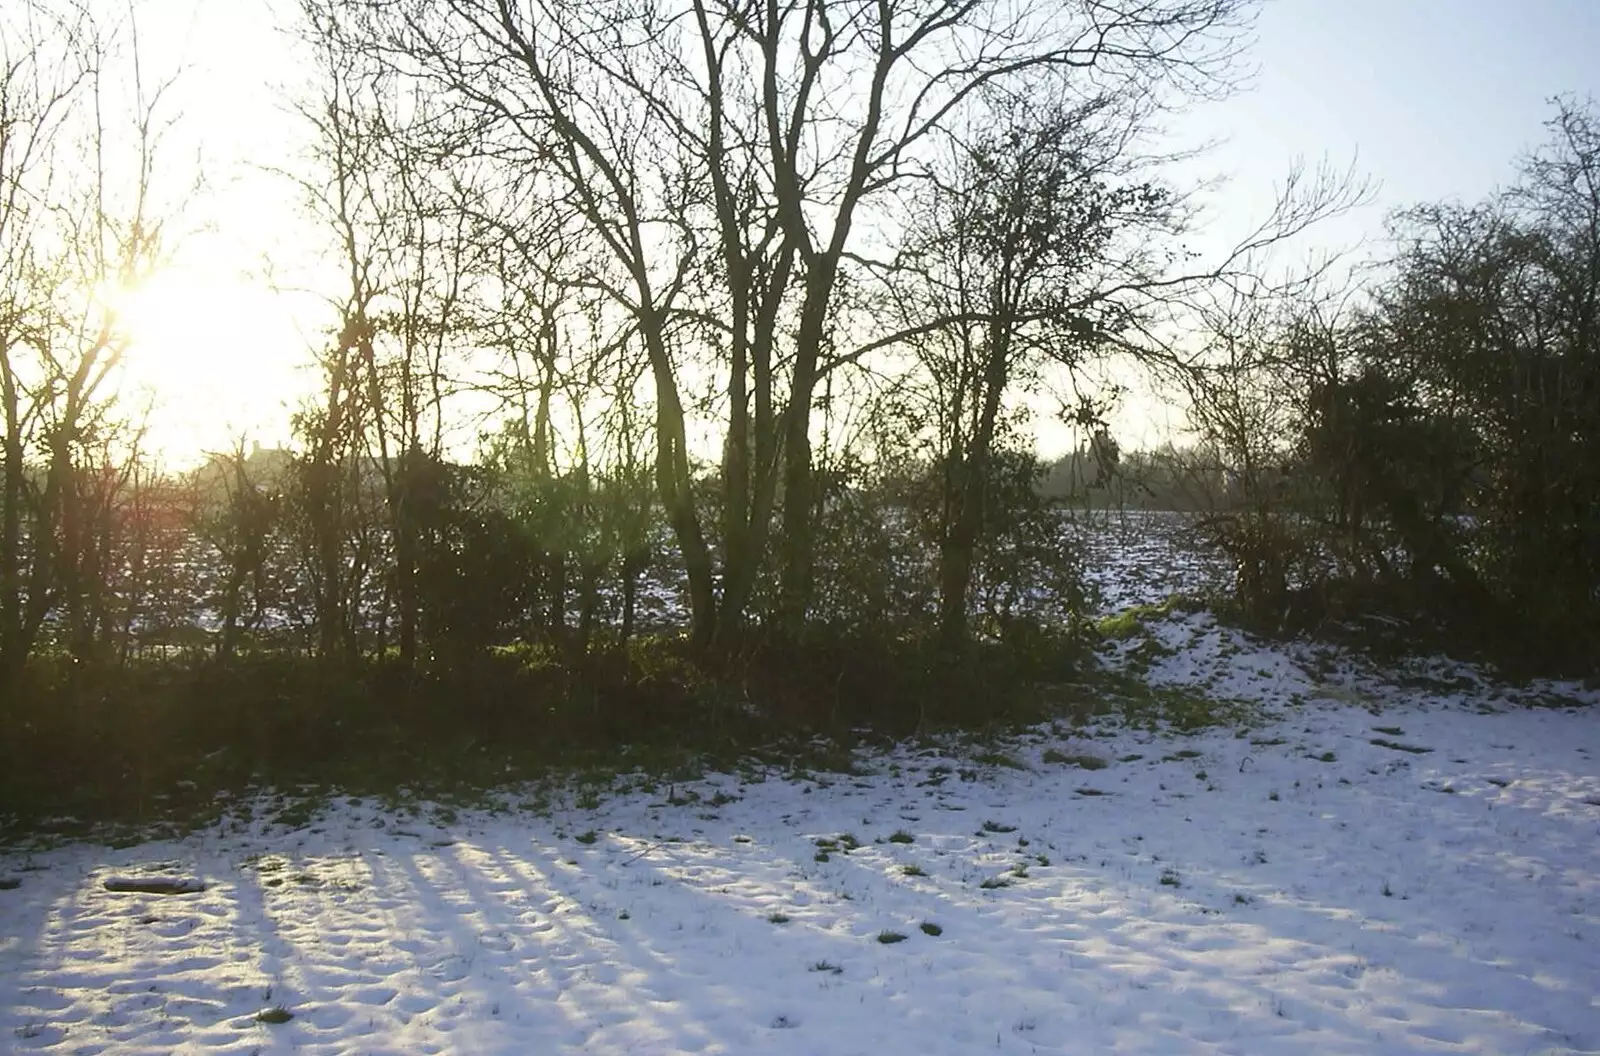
x: 1344, y: 859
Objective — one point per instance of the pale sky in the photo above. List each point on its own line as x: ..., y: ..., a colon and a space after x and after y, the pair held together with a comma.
x: 1432, y: 98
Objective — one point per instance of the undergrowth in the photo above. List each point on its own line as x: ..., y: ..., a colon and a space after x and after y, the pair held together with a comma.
x: 174, y: 741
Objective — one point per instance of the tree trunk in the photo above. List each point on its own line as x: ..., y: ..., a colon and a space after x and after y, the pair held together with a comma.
x: 674, y: 485
x: 965, y: 496
x: 15, y: 643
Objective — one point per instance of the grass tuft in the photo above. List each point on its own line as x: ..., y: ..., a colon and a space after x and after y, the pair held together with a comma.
x: 1414, y: 749
x: 1082, y: 761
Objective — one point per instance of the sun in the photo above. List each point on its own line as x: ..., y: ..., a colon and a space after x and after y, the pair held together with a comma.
x: 216, y: 358
x: 180, y: 326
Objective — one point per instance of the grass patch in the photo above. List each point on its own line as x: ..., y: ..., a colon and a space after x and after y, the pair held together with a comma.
x: 826, y: 966
x: 999, y: 760
x: 930, y: 928
x: 1414, y: 749
x: 996, y: 828
x: 889, y: 938
x: 1083, y: 762
x: 994, y: 883
x: 1183, y: 708
x: 275, y: 1014
x: 587, y: 837
x: 1391, y: 731
x: 912, y: 870
x: 1132, y: 620
x: 1170, y: 878
x: 901, y: 836
x: 778, y: 918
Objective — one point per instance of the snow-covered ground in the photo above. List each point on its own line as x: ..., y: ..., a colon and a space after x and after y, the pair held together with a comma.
x: 1385, y: 862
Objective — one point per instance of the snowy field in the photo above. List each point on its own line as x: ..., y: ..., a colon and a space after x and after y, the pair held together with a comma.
x: 1395, y: 862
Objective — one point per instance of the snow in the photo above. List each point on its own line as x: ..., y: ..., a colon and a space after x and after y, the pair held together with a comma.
x: 1296, y: 887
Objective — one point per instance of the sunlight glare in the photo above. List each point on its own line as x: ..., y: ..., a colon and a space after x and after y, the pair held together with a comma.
x: 216, y: 356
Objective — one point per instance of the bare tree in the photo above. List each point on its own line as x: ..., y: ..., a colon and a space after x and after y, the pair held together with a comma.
x: 733, y: 159
x: 79, y: 219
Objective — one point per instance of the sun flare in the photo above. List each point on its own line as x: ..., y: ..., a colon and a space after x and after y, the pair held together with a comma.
x: 217, y: 357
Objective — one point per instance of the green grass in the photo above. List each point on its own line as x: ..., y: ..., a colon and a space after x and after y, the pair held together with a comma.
x: 901, y: 836
x: 930, y: 928
x: 587, y: 837
x: 1083, y: 762
x: 1128, y: 694
x: 912, y: 870
x: 1132, y: 620
x: 275, y: 1014
x: 778, y: 918
x: 889, y: 938
x: 826, y: 966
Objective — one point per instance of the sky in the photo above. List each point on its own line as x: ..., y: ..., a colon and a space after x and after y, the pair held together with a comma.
x: 1430, y: 99
x: 1433, y: 99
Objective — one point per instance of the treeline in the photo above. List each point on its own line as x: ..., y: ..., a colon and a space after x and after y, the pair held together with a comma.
x: 764, y: 322
x: 750, y: 293
x: 753, y: 295
x: 1426, y: 449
